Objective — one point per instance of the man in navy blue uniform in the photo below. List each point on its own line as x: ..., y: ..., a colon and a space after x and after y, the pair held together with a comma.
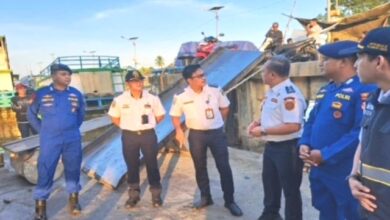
x: 331, y: 133
x: 57, y: 113
x: 370, y: 176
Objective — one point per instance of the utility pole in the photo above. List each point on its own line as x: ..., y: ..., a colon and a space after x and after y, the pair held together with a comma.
x: 216, y: 9
x: 133, y: 40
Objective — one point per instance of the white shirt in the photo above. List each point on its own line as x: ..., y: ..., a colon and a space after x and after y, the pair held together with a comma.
x: 130, y: 110
x: 284, y: 103
x: 201, y: 110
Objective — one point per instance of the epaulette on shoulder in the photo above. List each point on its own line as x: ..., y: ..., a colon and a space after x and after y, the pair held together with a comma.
x: 213, y: 86
x: 289, y: 89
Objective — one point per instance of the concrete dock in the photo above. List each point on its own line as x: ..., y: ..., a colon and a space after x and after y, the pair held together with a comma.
x: 179, y: 192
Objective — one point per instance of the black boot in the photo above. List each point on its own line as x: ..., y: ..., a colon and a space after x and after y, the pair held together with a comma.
x: 40, y: 210
x: 74, y: 205
x: 134, y: 197
x: 156, y: 197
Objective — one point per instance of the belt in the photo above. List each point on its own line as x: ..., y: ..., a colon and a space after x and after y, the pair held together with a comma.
x: 207, y: 131
x: 376, y: 174
x: 139, y: 132
x: 282, y: 142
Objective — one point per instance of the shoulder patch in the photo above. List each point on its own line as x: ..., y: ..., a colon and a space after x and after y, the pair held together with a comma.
x: 213, y: 85
x: 289, y: 103
x: 290, y: 89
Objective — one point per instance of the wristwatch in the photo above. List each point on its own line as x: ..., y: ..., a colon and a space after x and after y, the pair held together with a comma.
x: 263, y: 132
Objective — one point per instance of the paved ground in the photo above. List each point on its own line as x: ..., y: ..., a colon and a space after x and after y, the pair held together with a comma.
x: 179, y: 190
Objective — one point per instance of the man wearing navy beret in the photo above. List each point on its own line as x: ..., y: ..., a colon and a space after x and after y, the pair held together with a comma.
x: 57, y: 113
x: 331, y: 133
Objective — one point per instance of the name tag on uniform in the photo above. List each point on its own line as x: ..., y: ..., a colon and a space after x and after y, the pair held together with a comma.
x: 343, y: 96
x: 209, y: 113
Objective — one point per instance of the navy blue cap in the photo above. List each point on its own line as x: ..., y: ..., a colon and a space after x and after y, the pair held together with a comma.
x: 337, y: 50
x: 376, y: 42
x: 59, y: 67
x: 189, y: 70
x: 133, y: 75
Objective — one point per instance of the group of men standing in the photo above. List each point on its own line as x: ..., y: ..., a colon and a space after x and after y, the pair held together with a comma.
x: 326, y: 142
x: 347, y: 129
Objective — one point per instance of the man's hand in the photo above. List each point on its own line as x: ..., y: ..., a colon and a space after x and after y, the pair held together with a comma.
x: 252, y: 125
x: 362, y: 193
x: 316, y: 157
x: 180, y: 137
x: 255, y: 132
x: 304, y: 152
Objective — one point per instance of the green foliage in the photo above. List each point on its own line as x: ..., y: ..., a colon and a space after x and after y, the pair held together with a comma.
x: 146, y: 70
x: 350, y: 7
x: 159, y: 61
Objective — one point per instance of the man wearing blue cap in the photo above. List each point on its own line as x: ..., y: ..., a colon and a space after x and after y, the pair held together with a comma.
x: 331, y: 133
x: 57, y: 113
x: 370, y: 176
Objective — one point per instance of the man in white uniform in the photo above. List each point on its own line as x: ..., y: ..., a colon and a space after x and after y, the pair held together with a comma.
x: 205, y: 108
x: 280, y: 126
x: 137, y: 112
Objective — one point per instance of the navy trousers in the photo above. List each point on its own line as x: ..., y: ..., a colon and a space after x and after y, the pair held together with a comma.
x: 216, y: 140
x: 132, y: 143
x: 282, y: 170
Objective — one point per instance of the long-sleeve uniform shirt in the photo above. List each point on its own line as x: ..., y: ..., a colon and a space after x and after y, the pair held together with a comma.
x: 57, y: 114
x: 334, y: 124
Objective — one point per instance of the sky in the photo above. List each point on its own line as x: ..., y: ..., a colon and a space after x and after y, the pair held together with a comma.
x: 40, y: 30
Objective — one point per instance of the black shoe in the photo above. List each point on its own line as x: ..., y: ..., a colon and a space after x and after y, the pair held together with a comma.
x: 234, y: 209
x: 270, y: 216
x: 204, y: 201
x: 74, y: 205
x: 40, y: 210
x: 156, y: 196
x: 157, y: 201
x: 134, y: 198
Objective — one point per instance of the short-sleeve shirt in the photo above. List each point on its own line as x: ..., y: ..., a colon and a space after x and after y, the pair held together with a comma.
x: 201, y: 110
x: 284, y: 103
x: 131, y: 110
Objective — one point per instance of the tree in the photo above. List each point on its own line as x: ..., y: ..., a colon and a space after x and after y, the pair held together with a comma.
x: 350, y: 7
x: 146, y: 70
x: 159, y: 61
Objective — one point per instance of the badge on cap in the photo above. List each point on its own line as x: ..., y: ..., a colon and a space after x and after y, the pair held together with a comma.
x: 289, y: 103
x: 337, y: 114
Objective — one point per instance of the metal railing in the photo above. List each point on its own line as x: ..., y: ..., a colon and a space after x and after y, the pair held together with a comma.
x: 85, y: 62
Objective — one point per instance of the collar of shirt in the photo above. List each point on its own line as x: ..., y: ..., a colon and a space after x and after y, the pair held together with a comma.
x: 384, y: 97
x: 192, y: 92
x: 279, y: 86
x: 346, y: 83
x: 143, y: 95
x: 52, y: 89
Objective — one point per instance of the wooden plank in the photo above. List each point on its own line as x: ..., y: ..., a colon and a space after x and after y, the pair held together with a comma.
x: 33, y: 141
